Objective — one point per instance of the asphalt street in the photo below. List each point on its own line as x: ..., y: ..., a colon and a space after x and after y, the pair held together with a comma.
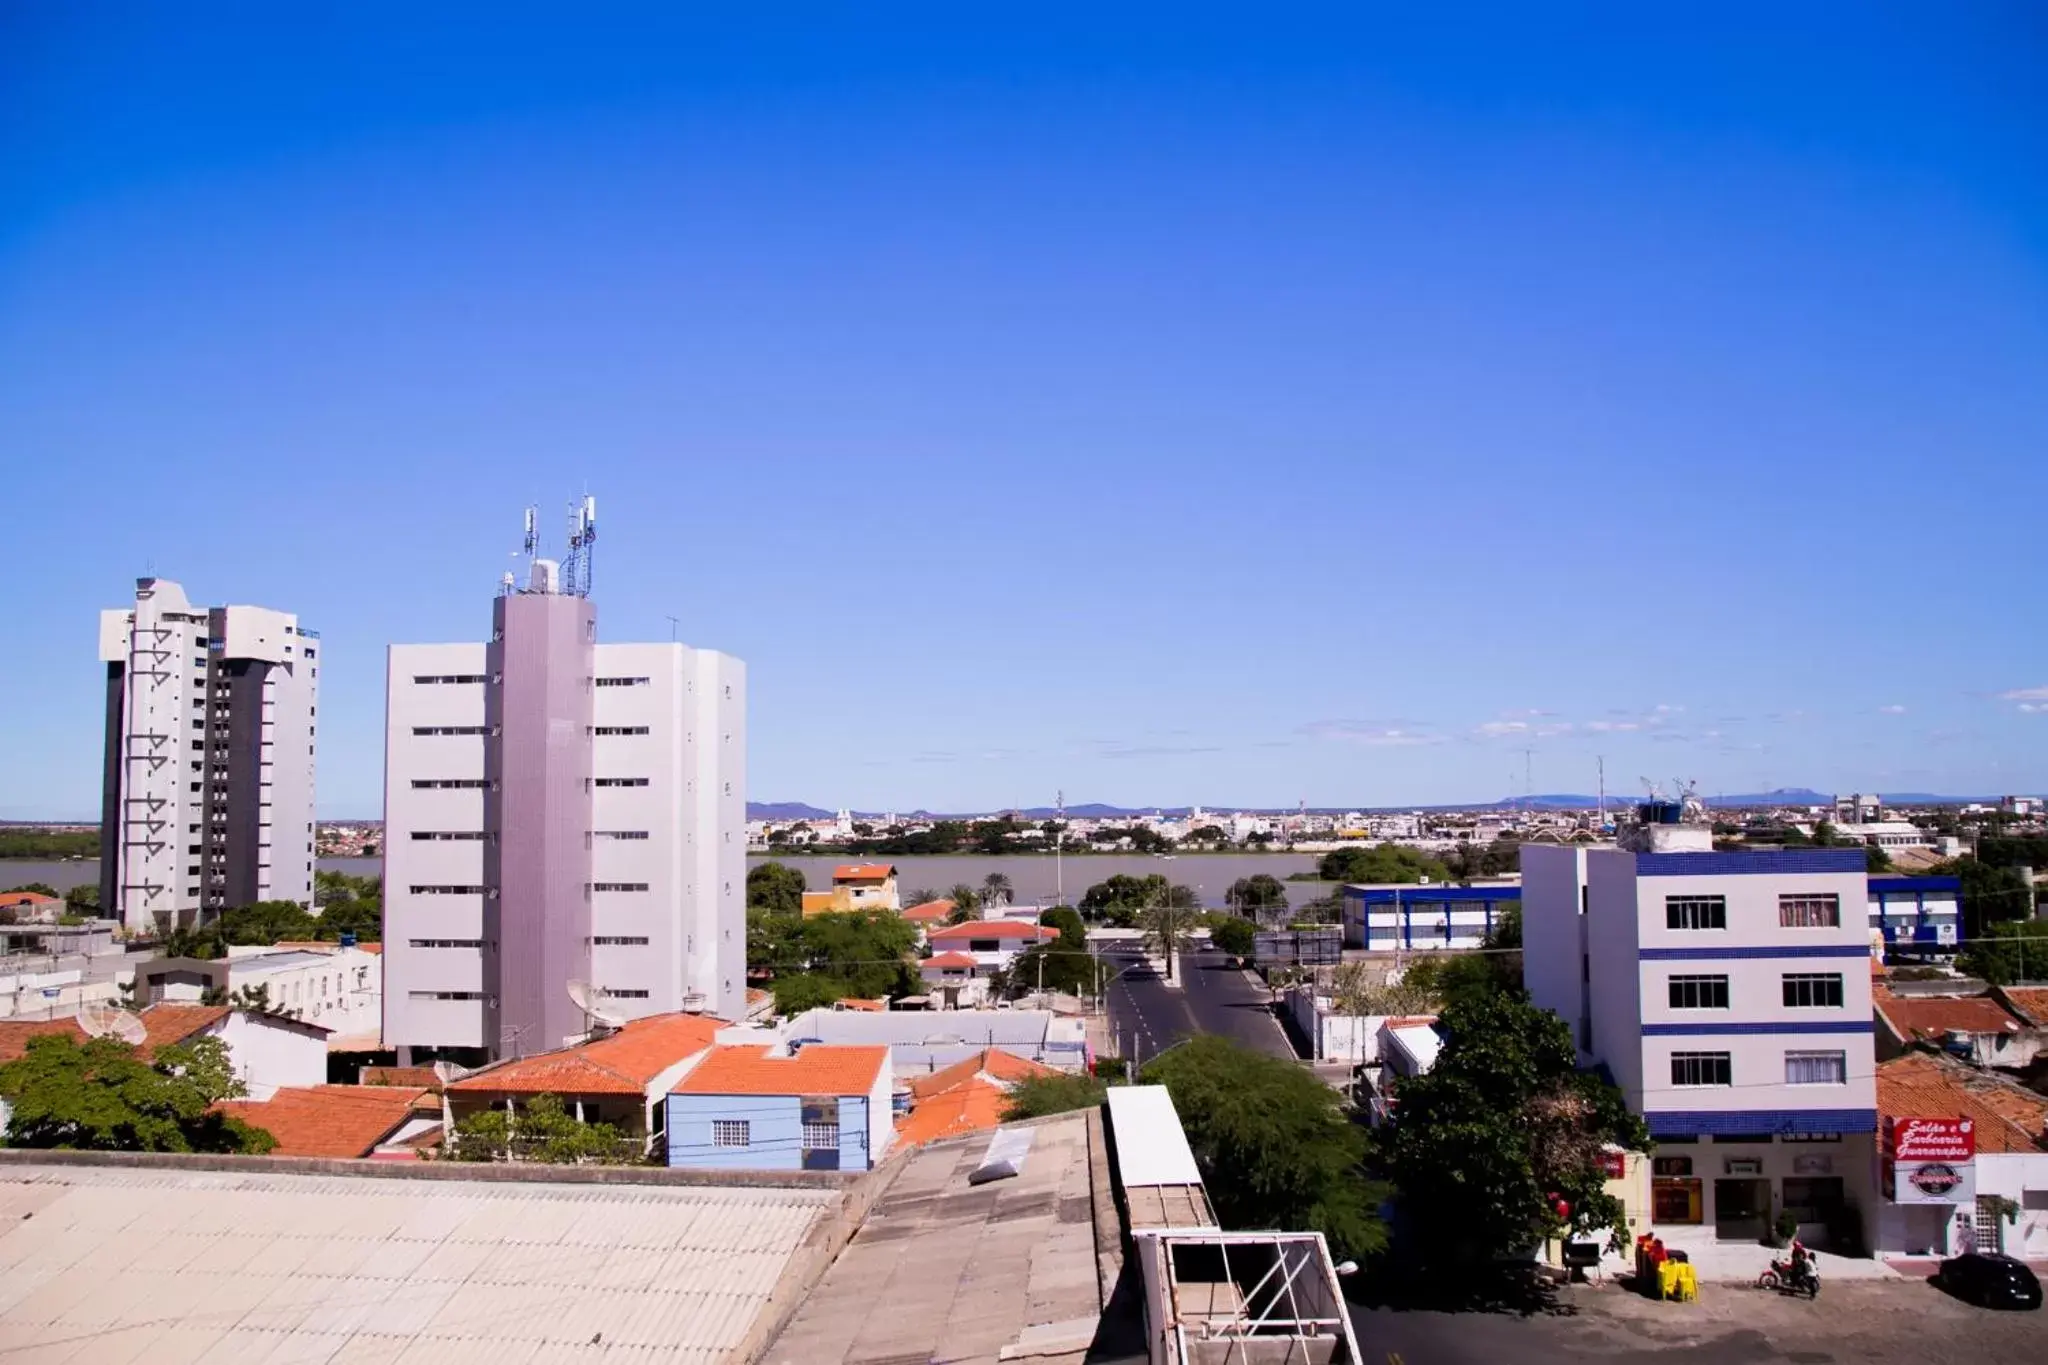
x: 1147, y: 1016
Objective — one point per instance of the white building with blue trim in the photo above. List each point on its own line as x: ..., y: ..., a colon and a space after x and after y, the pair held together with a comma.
x: 1385, y: 919
x: 1728, y: 996
x: 1917, y: 916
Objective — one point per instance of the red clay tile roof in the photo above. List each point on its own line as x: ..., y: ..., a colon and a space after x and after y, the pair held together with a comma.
x: 419, y: 1077
x: 15, y: 1033
x: 329, y: 1120
x: 2008, y: 1118
x: 862, y: 872
x: 166, y: 1024
x: 2031, y: 1002
x: 854, y: 1002
x: 622, y: 1063
x: 820, y: 1069
x: 994, y: 1063
x: 1932, y: 1016
x: 949, y: 960
x: 930, y: 912
x: 993, y: 928
x: 26, y: 898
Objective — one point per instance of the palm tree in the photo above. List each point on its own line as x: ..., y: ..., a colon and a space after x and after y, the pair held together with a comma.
x: 920, y: 895
x: 966, y: 900
x: 1167, y: 925
x: 995, y: 889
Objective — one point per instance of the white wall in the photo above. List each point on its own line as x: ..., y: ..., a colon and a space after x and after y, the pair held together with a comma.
x: 1553, y: 930
x: 342, y: 991
x: 269, y: 1053
x: 1614, y: 992
x: 881, y: 1117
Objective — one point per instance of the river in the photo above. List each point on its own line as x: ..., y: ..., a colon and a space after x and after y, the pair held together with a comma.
x: 1033, y: 877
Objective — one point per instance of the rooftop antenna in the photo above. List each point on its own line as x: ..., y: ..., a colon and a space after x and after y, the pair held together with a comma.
x: 584, y: 996
x: 101, y: 1019
x: 1602, y: 761
x: 582, y: 535
x: 673, y: 626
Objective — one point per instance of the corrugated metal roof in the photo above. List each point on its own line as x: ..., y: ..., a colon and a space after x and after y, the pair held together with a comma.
x: 1151, y: 1148
x: 129, y: 1264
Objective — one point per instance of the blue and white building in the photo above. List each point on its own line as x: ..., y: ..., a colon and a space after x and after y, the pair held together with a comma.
x: 1916, y: 916
x: 746, y: 1108
x: 1728, y: 996
x: 1387, y: 919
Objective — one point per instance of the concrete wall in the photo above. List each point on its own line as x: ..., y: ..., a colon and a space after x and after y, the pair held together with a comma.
x: 540, y: 810
x: 775, y: 1131
x: 1553, y: 932
x: 1614, y: 992
x: 269, y: 1053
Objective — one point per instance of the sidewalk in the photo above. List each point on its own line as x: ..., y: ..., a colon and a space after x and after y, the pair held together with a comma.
x: 1721, y: 1262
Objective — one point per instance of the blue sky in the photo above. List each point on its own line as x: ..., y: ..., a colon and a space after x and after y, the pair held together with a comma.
x: 1173, y: 406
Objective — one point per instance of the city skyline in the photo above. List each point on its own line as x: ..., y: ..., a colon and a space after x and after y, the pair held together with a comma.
x: 1329, y: 410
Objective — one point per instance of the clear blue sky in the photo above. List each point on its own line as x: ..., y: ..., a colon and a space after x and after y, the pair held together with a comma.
x: 1167, y: 406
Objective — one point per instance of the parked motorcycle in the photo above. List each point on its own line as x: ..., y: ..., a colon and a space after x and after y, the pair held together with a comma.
x: 1789, y: 1277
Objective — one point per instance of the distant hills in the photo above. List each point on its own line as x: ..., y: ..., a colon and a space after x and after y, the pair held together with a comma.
x: 1095, y: 810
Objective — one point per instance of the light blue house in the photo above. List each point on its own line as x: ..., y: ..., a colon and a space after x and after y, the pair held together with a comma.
x: 818, y: 1108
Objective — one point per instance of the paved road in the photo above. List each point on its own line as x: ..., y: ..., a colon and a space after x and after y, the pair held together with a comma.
x: 1213, y: 998
x: 1901, y: 1322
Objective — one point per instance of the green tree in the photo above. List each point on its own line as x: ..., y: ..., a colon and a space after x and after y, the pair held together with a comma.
x: 1119, y: 898
x: 1257, y: 896
x: 34, y: 888
x: 1990, y: 895
x: 1875, y: 859
x: 542, y: 1130
x: 800, y: 991
x: 922, y: 895
x: 995, y: 890
x: 1167, y: 926
x: 1387, y: 863
x: 1209, y: 834
x: 966, y: 901
x: 865, y: 951
x: 1273, y: 1143
x: 1484, y: 1146
x: 1036, y: 1096
x: 103, y: 1096
x: 1232, y: 935
x: 775, y: 887
x: 2008, y: 952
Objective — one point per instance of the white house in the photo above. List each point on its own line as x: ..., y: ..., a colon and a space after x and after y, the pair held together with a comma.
x: 1965, y: 1163
x: 1728, y: 995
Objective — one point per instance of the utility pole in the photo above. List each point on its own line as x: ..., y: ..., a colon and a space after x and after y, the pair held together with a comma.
x: 1059, y: 844
x: 1601, y: 822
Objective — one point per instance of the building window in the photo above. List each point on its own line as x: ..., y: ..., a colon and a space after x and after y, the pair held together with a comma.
x: 618, y: 781
x: 464, y: 835
x: 821, y: 1137
x: 1695, y: 912
x: 454, y: 729
x: 430, y: 679
x: 1813, y: 990
x: 618, y: 834
x: 730, y: 1133
x: 449, y: 890
x: 447, y: 943
x: 618, y: 886
x: 1701, y: 1068
x: 1699, y: 992
x: 623, y: 682
x: 1816, y: 1068
x: 453, y: 784
x: 618, y: 941
x: 621, y: 994
x: 447, y: 995
x: 618, y: 730
x: 1809, y: 912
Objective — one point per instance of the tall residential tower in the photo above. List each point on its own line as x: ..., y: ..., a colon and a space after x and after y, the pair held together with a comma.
x: 207, y: 798
x: 558, y: 810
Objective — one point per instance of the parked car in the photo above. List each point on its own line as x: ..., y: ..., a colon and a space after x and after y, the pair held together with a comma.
x: 1990, y: 1280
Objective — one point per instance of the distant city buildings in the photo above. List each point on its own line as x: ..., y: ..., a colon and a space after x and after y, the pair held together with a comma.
x: 559, y: 811
x: 207, y: 791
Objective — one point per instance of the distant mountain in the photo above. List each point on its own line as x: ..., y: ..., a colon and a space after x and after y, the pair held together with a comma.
x: 786, y: 810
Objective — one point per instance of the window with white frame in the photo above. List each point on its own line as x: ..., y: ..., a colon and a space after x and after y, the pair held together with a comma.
x: 1816, y: 1068
x: 730, y: 1133
x: 1809, y: 912
x: 1701, y: 1068
x: 1813, y: 990
x: 1695, y: 912
x: 1699, y: 992
x: 821, y: 1137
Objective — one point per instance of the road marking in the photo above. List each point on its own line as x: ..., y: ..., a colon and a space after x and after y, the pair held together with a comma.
x: 1394, y: 1358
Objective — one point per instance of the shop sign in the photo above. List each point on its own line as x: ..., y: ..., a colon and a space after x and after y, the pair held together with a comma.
x: 1812, y: 1164
x: 1931, y: 1139
x: 1669, y: 1166
x: 1743, y: 1165
x: 1934, y: 1182
x: 1613, y: 1165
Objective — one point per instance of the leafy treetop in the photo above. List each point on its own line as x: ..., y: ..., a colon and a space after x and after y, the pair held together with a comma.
x: 103, y: 1096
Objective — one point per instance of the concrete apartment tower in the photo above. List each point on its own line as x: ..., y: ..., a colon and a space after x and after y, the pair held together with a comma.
x: 207, y: 797
x: 559, y: 810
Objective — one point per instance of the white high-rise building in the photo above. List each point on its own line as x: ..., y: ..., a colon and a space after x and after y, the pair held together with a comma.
x: 559, y: 810
x: 207, y: 796
x: 1728, y: 996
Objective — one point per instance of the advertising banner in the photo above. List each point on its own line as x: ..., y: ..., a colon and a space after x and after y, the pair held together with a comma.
x: 1933, y: 1182
x: 1910, y: 1140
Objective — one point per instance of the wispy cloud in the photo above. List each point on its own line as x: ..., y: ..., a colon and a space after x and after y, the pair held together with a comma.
x: 1893, y: 710
x: 1160, y: 750
x: 1608, y: 727
x: 1369, y: 733
x: 2035, y: 695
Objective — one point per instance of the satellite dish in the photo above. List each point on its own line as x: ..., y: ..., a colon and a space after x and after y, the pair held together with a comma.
x: 100, y: 1019
x: 584, y: 996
